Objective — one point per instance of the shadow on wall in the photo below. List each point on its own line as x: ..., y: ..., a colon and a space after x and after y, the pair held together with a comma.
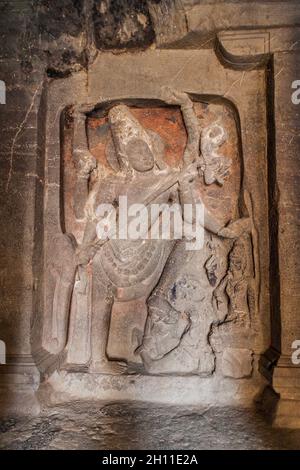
x: 18, y: 180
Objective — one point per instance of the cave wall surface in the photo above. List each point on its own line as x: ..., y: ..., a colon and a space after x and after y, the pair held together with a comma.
x: 236, y: 61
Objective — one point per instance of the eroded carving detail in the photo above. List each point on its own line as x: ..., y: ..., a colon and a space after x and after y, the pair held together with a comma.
x: 216, y: 167
x: 234, y: 303
x: 179, y: 319
x: 190, y: 296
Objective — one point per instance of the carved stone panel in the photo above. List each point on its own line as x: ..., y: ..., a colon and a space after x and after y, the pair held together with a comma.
x: 121, y: 305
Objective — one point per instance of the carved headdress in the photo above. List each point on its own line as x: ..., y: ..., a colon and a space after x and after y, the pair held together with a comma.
x: 127, y: 134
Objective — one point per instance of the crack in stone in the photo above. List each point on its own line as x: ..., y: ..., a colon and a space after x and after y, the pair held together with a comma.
x: 16, y: 136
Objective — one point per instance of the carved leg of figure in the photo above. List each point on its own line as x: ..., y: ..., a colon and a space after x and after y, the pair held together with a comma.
x: 60, y: 273
x: 207, y: 361
x: 78, y: 349
x: 100, y: 330
x: 207, y: 357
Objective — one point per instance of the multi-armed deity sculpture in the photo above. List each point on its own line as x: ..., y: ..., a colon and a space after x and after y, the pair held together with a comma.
x: 189, y: 293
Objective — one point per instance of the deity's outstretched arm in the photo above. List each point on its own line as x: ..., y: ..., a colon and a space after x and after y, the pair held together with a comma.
x: 189, y: 196
x: 190, y: 156
x: 170, y: 96
x: 85, y: 163
x: 100, y: 224
x: 191, y: 152
x: 87, y: 250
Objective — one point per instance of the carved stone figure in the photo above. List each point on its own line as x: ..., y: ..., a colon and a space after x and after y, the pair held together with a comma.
x: 216, y: 166
x: 179, y: 320
x: 180, y: 313
x: 100, y: 271
x: 233, y: 297
x: 232, y: 336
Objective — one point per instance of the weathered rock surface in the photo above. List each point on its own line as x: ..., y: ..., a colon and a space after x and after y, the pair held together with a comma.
x: 143, y: 426
x: 256, y: 61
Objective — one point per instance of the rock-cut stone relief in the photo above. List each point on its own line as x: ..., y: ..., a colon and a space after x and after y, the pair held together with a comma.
x: 189, y: 294
x: 216, y: 166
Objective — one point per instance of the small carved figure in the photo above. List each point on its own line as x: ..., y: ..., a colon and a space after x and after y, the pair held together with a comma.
x: 233, y: 298
x: 216, y: 166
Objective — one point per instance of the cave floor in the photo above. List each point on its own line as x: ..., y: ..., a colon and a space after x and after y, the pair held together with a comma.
x: 95, y: 426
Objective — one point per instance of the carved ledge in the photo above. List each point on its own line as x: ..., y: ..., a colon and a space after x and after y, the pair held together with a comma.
x: 243, y: 30
x: 19, y: 381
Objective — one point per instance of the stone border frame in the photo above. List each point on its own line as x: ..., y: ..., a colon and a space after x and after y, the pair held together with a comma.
x: 140, y: 76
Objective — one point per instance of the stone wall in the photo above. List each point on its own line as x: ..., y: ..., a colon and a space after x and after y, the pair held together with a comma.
x: 48, y: 46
